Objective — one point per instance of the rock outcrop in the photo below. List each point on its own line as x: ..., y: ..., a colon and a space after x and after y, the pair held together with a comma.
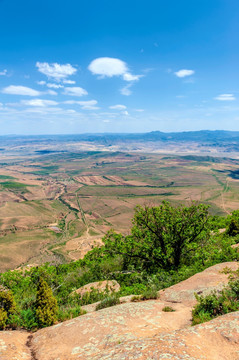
x: 137, y: 330
x: 100, y: 286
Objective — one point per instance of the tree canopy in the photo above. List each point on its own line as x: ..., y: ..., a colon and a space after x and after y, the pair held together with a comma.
x: 162, y: 236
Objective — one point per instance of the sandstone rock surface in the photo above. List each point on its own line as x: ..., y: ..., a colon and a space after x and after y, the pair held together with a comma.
x: 137, y: 330
x: 101, y: 286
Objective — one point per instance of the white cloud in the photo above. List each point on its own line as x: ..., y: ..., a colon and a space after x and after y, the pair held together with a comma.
x: 125, y: 113
x: 130, y: 77
x: 139, y: 110
x: 20, y: 90
x: 70, y: 82
x: 3, y: 73
x: 86, y: 105
x: 225, y: 97
x: 126, y: 90
x: 184, y: 72
x: 55, y: 70
x: 41, y: 82
x: 109, y: 67
x: 54, y: 86
x: 75, y: 91
x: 117, y: 107
x: 39, y: 102
x: 51, y: 92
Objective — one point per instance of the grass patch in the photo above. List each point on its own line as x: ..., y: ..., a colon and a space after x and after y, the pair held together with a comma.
x: 168, y: 309
x: 6, y: 177
x: 108, y: 301
x: 13, y: 185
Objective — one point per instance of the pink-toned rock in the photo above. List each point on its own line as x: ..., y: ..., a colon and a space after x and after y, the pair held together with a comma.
x: 13, y: 345
x: 236, y: 246
x: 211, y: 279
x: 141, y: 330
x: 101, y: 286
x: 214, y: 340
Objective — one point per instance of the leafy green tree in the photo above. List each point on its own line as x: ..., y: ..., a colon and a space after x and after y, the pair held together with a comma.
x: 162, y: 236
x: 46, y: 305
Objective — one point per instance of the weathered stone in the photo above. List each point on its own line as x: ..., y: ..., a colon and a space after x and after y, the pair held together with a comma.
x: 100, y: 286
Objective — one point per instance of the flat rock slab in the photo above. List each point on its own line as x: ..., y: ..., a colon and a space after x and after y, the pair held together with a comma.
x: 211, y: 279
x: 214, y: 340
x: 13, y: 345
x: 138, y: 330
x: 88, y: 335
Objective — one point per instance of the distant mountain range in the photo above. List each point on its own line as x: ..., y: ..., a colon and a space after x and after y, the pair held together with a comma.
x: 204, y: 140
x: 202, y: 135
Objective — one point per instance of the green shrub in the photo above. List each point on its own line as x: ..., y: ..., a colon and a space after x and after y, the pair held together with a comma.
x: 3, y: 319
x: 168, y: 309
x: 7, y: 302
x: 136, y: 298
x: 45, y: 305
x: 108, y: 301
x: 7, y: 308
x: 150, y: 293
x: 69, y: 313
x: 28, y: 318
x: 216, y: 304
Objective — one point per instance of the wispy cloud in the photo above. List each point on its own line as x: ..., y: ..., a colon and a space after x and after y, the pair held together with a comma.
x: 75, y: 91
x: 39, y: 102
x: 130, y: 77
x: 55, y: 70
x: 184, y: 72
x: 3, y: 73
x: 70, y: 82
x: 126, y: 90
x: 117, y: 107
x: 20, y: 90
x: 85, y: 105
x: 225, y: 97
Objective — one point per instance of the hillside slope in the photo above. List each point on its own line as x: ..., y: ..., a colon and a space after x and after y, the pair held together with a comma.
x: 137, y: 330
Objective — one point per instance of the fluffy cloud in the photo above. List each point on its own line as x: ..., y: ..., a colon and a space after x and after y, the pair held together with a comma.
x: 3, y: 73
x: 20, y: 90
x: 39, y: 102
x: 225, y: 97
x: 184, y: 72
x: 108, y: 67
x: 86, y: 105
x: 55, y: 70
x: 75, y: 91
x: 117, y: 107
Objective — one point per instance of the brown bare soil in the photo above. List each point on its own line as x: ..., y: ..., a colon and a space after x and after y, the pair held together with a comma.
x: 92, y: 193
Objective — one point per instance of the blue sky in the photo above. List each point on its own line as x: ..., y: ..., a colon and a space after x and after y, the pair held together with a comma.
x: 118, y: 66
